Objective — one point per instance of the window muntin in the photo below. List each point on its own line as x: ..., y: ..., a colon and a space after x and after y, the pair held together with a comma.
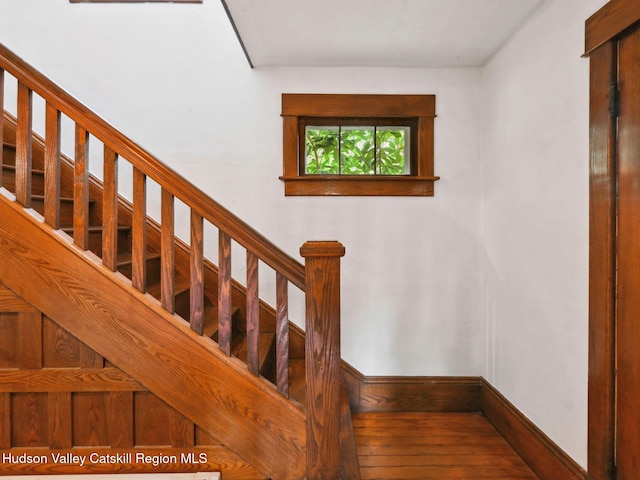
x: 411, y: 176
x: 355, y: 149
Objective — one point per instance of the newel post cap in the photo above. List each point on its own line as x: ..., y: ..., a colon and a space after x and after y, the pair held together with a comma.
x: 322, y: 248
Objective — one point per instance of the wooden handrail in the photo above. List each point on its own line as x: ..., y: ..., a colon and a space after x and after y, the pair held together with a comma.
x: 146, y: 163
x: 319, y: 278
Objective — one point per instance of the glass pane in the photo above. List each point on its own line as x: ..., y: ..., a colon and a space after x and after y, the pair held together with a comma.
x: 321, y: 150
x: 393, y: 151
x: 358, y: 150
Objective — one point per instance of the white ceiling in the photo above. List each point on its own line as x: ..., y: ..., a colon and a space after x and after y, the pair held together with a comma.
x: 379, y: 33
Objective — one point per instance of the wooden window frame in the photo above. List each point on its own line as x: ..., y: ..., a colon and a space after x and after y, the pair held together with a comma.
x: 418, y: 111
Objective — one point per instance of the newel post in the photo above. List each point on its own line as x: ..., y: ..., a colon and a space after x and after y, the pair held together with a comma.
x: 322, y: 271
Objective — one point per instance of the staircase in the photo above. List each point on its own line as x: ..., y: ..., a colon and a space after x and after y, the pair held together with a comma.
x: 154, y: 306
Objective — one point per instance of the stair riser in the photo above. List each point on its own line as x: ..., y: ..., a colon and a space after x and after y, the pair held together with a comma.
x: 95, y: 241
x: 66, y: 211
x: 9, y: 181
x: 154, y: 268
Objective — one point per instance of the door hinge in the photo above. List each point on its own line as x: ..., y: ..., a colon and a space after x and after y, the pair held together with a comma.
x: 614, y: 100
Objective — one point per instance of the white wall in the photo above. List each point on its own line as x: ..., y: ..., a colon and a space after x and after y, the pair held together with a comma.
x: 535, y: 161
x: 489, y: 277
x: 174, y: 79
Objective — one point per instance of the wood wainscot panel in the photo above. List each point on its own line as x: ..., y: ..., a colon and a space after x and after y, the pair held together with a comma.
x: 12, y: 303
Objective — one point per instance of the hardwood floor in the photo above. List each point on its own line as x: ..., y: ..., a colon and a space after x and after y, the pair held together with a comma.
x: 434, y: 446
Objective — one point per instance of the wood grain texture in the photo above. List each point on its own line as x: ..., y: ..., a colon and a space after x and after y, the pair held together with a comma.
x: 425, y: 145
x: 23, y: 145
x: 542, y: 455
x: 418, y: 394
x: 30, y: 340
x: 608, y: 22
x: 63, y: 350
x: 322, y: 365
x: 52, y: 167
x: 110, y: 210
x: 5, y: 420
x: 297, y: 107
x: 419, y: 445
x: 217, y: 458
x: 157, y: 423
x: 168, y: 252
x: 10, y: 302
x: 347, y: 105
x: 60, y: 420
x: 602, y: 262
x: 29, y: 420
x: 139, y: 231
x: 627, y: 371
x: 253, y: 314
x: 196, y: 289
x: 2, y: 161
x: 150, y: 166
x: 120, y: 417
x: 67, y: 380
x: 282, y: 334
x: 359, y: 186
x: 100, y: 411
x: 186, y: 371
x: 348, y: 447
x: 225, y: 328
x: 290, y: 136
x: 81, y: 189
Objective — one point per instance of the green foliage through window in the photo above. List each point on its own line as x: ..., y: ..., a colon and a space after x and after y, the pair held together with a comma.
x: 356, y: 150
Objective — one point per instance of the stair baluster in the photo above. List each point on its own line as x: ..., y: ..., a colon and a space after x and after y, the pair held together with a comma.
x: 110, y: 210
x: 81, y: 189
x: 319, y: 279
x: 197, y: 273
x: 168, y: 253
x: 224, y: 292
x: 253, y: 314
x: 139, y: 231
x: 52, y: 167
x: 23, y: 145
x: 282, y: 334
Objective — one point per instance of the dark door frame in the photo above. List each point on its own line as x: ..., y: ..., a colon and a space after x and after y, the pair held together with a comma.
x: 602, y: 31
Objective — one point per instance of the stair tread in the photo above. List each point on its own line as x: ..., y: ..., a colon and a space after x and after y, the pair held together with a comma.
x: 62, y: 199
x: 210, y: 328
x: 265, y: 343
x: 96, y: 228
x: 154, y: 289
x: 125, y: 258
x: 13, y: 167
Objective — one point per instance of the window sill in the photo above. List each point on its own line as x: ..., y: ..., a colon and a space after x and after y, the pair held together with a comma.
x: 357, y: 185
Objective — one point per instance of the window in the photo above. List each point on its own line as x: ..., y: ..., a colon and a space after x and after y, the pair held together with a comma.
x: 358, y: 144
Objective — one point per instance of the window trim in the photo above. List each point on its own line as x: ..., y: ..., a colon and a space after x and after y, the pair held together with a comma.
x: 419, y: 108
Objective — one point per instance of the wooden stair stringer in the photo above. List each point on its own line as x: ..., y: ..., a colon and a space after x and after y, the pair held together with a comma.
x: 155, y: 348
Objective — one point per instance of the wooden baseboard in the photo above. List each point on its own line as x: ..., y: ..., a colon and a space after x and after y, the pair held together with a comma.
x: 463, y: 394
x: 411, y: 394
x: 542, y: 455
